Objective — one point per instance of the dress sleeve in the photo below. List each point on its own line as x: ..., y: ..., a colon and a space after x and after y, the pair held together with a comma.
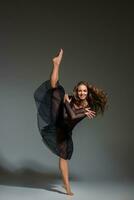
x: 74, y: 114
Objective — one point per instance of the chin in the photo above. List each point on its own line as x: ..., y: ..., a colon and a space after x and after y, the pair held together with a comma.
x: 82, y: 98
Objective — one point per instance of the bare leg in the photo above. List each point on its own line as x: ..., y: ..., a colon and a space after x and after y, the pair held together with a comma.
x: 54, y: 75
x: 63, y: 166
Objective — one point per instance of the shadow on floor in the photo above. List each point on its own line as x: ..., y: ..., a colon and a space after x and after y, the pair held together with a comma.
x: 28, y: 177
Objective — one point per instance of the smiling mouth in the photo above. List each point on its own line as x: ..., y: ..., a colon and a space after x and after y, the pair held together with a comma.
x: 82, y: 96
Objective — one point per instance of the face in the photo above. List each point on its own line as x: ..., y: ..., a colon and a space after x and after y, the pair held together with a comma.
x: 82, y: 91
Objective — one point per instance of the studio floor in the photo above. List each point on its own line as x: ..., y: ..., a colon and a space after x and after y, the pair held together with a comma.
x: 82, y: 191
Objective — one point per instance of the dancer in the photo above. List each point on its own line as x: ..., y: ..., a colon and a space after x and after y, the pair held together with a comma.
x: 58, y: 113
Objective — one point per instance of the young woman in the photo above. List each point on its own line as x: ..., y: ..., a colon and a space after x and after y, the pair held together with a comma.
x: 59, y: 112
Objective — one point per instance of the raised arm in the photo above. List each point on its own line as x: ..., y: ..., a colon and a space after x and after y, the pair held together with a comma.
x: 54, y: 76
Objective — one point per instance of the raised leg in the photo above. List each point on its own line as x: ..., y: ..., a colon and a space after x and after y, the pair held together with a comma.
x: 54, y: 76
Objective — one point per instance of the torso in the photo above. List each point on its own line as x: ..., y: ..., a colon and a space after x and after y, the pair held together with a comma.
x: 79, y: 107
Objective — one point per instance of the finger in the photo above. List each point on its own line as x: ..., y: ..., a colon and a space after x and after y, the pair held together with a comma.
x: 92, y: 115
x: 93, y: 111
x: 89, y: 116
x: 87, y: 109
x: 86, y: 113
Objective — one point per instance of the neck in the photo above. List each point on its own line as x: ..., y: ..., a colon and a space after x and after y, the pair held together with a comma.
x: 84, y: 102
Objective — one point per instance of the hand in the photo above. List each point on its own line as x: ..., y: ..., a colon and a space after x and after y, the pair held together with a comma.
x: 66, y: 97
x: 57, y: 59
x: 89, y: 113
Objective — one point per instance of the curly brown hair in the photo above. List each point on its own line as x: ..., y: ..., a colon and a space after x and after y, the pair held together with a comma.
x: 96, y: 98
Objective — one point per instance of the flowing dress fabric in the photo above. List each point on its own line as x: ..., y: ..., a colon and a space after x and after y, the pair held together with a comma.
x: 56, y: 118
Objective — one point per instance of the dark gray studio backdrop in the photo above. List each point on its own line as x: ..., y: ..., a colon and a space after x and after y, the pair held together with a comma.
x: 97, y: 39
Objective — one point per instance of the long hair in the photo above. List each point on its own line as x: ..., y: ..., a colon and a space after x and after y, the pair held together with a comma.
x: 96, y: 98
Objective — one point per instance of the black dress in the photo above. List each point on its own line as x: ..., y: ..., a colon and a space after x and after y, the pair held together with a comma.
x: 56, y: 118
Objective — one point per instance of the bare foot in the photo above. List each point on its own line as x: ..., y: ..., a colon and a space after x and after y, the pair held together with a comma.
x: 68, y: 189
x: 57, y: 59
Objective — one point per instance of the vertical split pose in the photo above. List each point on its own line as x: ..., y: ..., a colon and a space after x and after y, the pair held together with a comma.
x: 58, y: 113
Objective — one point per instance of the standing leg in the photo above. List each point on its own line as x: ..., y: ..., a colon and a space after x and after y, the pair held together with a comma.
x: 63, y: 166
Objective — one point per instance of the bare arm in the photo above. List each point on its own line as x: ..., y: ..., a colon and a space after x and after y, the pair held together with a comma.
x: 54, y: 76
